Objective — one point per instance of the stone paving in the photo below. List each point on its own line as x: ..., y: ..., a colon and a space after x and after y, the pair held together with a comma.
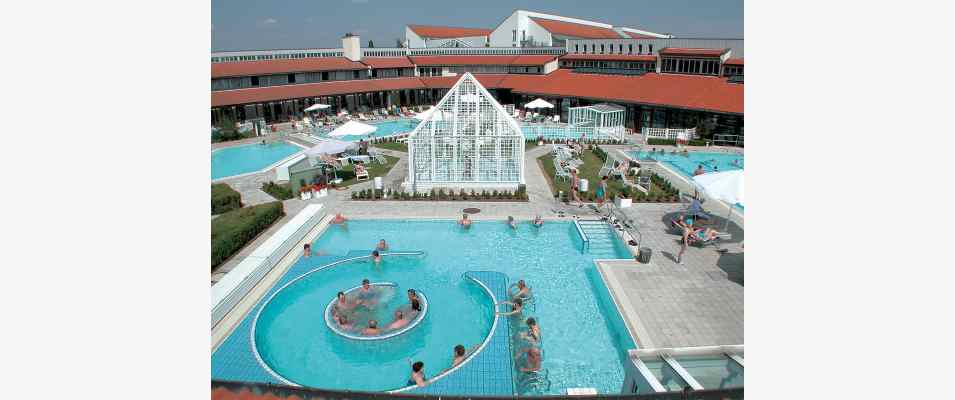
x: 698, y: 303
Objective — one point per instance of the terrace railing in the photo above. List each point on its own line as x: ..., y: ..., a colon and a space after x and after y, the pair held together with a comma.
x: 668, y: 133
x: 728, y: 140
x: 264, y: 390
x: 566, y: 131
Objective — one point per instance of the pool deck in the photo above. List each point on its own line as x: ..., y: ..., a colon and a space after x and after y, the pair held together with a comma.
x: 708, y: 278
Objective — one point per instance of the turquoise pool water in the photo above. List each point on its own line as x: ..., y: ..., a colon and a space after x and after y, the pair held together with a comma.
x: 686, y: 164
x: 583, y: 338
x: 249, y: 158
x: 386, y: 128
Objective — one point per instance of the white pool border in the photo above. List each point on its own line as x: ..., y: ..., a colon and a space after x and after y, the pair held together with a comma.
x: 266, y: 169
x: 417, y: 321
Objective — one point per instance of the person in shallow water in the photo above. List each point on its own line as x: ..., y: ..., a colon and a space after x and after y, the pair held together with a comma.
x: 376, y: 257
x: 459, y: 353
x: 523, y: 291
x: 532, y: 362
x: 344, y: 323
x: 465, y: 222
x: 533, y: 332
x: 372, y: 328
x: 339, y: 219
x: 382, y: 246
x: 415, y: 305
x: 538, y: 222
x: 366, y: 295
x: 412, y: 295
x: 417, y: 374
x: 511, y: 222
x: 341, y: 305
x: 399, y: 322
x: 517, y: 306
x: 307, y: 249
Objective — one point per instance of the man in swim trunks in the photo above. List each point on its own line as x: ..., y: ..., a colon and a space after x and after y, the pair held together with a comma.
x: 382, y: 246
x: 341, y: 305
x: 533, y: 333
x: 459, y: 353
x: 517, y: 307
x: 372, y: 328
x: 523, y: 291
x: 399, y: 322
x: 532, y: 362
x: 465, y: 222
x: 376, y: 257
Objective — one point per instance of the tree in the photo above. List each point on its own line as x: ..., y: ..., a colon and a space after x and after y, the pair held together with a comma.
x: 371, y: 44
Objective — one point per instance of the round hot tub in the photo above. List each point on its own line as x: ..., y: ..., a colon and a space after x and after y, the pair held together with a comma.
x: 379, y: 304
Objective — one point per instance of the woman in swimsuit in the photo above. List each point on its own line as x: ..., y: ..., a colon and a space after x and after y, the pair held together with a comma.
x: 601, y: 191
x: 533, y: 332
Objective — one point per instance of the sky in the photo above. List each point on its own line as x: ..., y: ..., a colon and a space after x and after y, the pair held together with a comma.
x: 291, y: 24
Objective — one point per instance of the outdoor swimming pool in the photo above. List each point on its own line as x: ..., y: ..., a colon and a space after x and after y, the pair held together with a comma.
x: 387, y: 128
x: 248, y: 158
x: 686, y: 164
x: 583, y: 338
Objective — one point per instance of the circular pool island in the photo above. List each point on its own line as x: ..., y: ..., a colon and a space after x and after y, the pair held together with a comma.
x: 379, y: 307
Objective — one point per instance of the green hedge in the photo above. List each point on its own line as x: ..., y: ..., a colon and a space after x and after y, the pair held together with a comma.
x: 224, y: 198
x: 234, y: 229
x: 281, y: 191
x: 667, y: 142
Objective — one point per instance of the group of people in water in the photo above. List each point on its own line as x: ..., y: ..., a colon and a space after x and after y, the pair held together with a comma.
x: 528, y: 339
x: 345, y: 309
x: 466, y: 222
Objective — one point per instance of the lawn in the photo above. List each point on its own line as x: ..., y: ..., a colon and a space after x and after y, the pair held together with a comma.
x: 396, y: 146
x: 529, y: 145
x: 588, y: 171
x: 347, y: 173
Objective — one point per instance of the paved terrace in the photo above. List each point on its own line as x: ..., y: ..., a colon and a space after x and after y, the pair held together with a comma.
x: 664, y: 303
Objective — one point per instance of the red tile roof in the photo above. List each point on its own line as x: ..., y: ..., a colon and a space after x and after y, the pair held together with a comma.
x: 246, y: 68
x: 634, y: 35
x: 481, y: 60
x: 682, y: 91
x: 432, y: 31
x: 576, y: 30
x: 706, y: 93
x: 610, y: 57
x: 490, y: 81
x: 680, y: 51
x: 273, y: 93
x: 733, y: 61
x: 387, y: 62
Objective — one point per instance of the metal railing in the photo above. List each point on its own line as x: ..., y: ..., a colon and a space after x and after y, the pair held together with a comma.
x: 566, y: 131
x: 668, y: 133
x: 262, y: 390
x: 728, y: 140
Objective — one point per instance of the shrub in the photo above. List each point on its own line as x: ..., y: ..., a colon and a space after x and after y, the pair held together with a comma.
x: 233, y: 230
x: 279, y: 191
x: 224, y: 198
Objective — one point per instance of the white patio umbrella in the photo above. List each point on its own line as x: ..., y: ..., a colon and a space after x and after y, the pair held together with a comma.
x: 353, y: 128
x: 330, y: 146
x: 539, y: 103
x: 427, y: 113
x: 317, y: 106
x: 724, y: 186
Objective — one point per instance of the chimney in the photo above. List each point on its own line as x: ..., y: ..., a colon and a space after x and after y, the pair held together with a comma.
x: 351, y: 45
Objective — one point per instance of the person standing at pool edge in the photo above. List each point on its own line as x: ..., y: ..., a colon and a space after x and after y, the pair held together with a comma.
x: 602, y: 191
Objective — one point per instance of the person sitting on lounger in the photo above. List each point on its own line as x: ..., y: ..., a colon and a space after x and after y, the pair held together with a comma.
x: 691, y: 235
x: 372, y: 328
x: 399, y: 322
x: 465, y: 222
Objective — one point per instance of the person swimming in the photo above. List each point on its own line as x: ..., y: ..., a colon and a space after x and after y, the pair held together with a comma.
x: 417, y: 374
x: 376, y: 257
x: 399, y: 322
x: 382, y: 246
x: 511, y: 222
x: 538, y: 222
x: 307, y: 249
x: 372, y: 328
x: 459, y: 353
x: 465, y: 222
x: 339, y: 219
x: 699, y: 170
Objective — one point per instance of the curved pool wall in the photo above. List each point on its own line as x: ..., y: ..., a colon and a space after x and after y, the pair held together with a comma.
x: 387, y: 335
x: 585, y: 342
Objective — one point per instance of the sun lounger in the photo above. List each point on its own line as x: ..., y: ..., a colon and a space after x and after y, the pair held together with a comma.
x: 560, y: 172
x: 361, y: 174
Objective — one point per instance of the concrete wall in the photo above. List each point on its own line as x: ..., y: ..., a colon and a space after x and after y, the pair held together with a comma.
x: 412, y: 39
x: 537, y: 33
x: 501, y: 36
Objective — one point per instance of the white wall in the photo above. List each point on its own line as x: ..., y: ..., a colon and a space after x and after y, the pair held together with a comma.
x: 412, y: 39
x: 537, y: 32
x: 469, y: 41
x: 501, y: 35
x: 550, y: 66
